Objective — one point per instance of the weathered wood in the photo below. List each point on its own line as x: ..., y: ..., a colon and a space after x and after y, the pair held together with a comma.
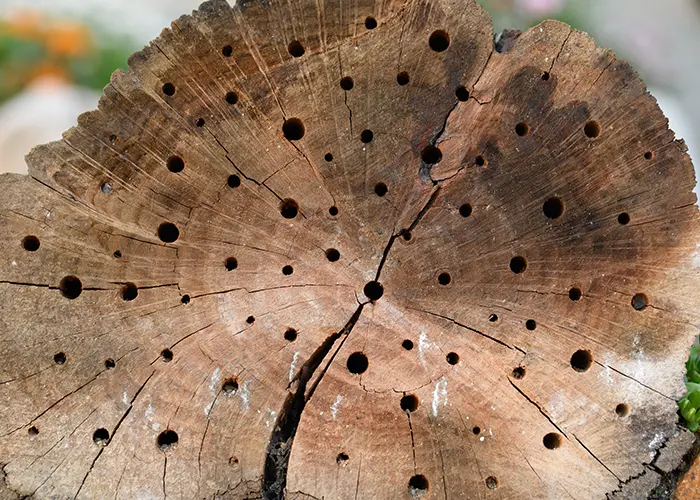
x: 351, y: 250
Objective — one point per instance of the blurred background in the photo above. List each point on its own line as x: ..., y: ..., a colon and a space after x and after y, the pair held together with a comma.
x: 55, y: 57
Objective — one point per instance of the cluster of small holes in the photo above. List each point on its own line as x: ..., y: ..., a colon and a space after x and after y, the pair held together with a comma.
x: 552, y: 441
x: 342, y: 459
x: 592, y: 129
x: 296, y: 49
x: 31, y: 243
x: 289, y: 208
x: 293, y: 129
x: 465, y: 210
x: 575, y: 294
x: 370, y: 23
x: 581, y: 360
x: 452, y: 358
x: 232, y: 98
x: 168, y: 232
x: 410, y: 403
x: 518, y: 373
x: 531, y: 324
x: 166, y: 355
x: 287, y: 270
x: 407, y: 344
x: 332, y: 255
x: 357, y: 363
x: 101, y: 437
x: 167, y: 440
x: 403, y: 78
x: 290, y: 335
x: 129, y: 292
x: 431, y: 155
x: 444, y: 279
x: 71, y: 287
x: 60, y: 358
x: 381, y: 189
x: 347, y: 83
x: 229, y: 387
x: 462, y: 94
x: 110, y: 364
x: 366, y: 136
x: 640, y: 301
x: 439, y: 40
x: 231, y: 264
x: 374, y: 290
x: 622, y: 410
x: 518, y: 264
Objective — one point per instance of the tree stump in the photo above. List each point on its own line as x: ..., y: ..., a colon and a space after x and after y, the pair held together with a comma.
x: 351, y: 251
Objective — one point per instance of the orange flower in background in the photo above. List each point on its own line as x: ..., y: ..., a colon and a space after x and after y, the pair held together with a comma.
x: 68, y: 39
x: 25, y: 24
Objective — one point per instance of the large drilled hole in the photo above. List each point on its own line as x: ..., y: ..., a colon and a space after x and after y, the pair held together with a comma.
x: 381, y: 189
x: 110, y: 364
x: 328, y: 157
x: 289, y: 208
x: 60, y: 358
x: 333, y: 211
x: 230, y: 387
x: 227, y: 51
x: 333, y: 255
x: 452, y: 358
x: 575, y: 294
x: 444, y: 279
x: 410, y: 403
x: 465, y: 210
x: 493, y: 318
x: 166, y: 355
x: 168, y: 232
x: 552, y: 441
x: 648, y: 155
x: 342, y: 459
x: 439, y: 40
x: 530, y: 324
x: 100, y: 437
x: 370, y: 23
x: 290, y: 335
x: 232, y: 98
x: 640, y: 301
x: 518, y: 373
x: 169, y: 89
x: 592, y: 129
x: 553, y: 208
x: 233, y: 181
x: 407, y: 344
x: 476, y: 430
x: 480, y: 161
x: 622, y: 410
x: 347, y: 83
x: 623, y: 218
x: 491, y: 482
x: 293, y: 129
x: 374, y: 290
x: 357, y: 363
x: 167, y: 440
x: 462, y: 94
x: 418, y: 485
x: 200, y: 122
x: 231, y: 264
x: 33, y: 431
x: 431, y: 155
x: 176, y: 164
x: 31, y: 243
x: 518, y: 265
x: 129, y: 292
x: 581, y: 360
x: 250, y: 320
x: 522, y: 129
x: 403, y: 78
x: 287, y: 270
x: 296, y: 49
x: 71, y: 287
x: 185, y: 299
x: 366, y: 136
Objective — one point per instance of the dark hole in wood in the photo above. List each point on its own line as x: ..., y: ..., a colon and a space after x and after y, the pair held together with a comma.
x: 333, y: 255
x: 530, y: 324
x: 166, y: 440
x: 129, y: 292
x: 169, y: 89
x: 553, y: 208
x: 328, y: 157
x: 439, y: 40
x: 290, y: 335
x: 374, y: 290
x: 493, y: 318
x: 366, y: 136
x: 166, y: 355
x: 581, y: 360
x: 117, y: 254
x: 522, y: 129
x: 71, y: 287
x: 476, y: 431
x: 250, y: 320
x: 403, y: 78
x: 342, y: 459
x: 462, y: 94
x: 518, y: 264
x: 575, y: 294
x: 407, y: 344
x: 592, y: 129
x: 410, y: 403
x: 293, y: 129
x: 100, y: 437
x: 370, y: 23
x: 201, y: 122
x: 287, y: 270
x: 168, y: 232
x: 431, y: 155
x: 418, y: 483
x: 186, y: 299
x: 232, y: 98
x: 347, y: 83
x: 381, y: 189
x: 60, y: 358
x: 444, y: 279
x: 289, y: 208
x: 33, y: 431
x: 623, y: 218
x: 465, y: 210
x: 231, y: 264
x: 230, y: 387
x: 545, y: 76
x: 333, y: 211
x: 233, y: 181
x: 480, y: 161
x: 31, y: 243
x: 518, y: 373
x: 640, y: 301
x: 109, y: 363
x: 648, y: 155
x: 227, y: 51
x: 491, y: 482
x: 357, y: 363
x: 622, y: 410
x: 296, y: 49
x: 452, y: 358
x: 552, y: 441
x: 176, y: 164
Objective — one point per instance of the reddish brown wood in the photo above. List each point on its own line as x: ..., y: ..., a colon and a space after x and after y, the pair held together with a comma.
x: 350, y: 250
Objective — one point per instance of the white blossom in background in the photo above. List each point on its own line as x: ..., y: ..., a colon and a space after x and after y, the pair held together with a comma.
x: 539, y: 7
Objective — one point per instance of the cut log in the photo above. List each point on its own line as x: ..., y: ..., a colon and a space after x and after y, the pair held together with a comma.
x: 351, y: 251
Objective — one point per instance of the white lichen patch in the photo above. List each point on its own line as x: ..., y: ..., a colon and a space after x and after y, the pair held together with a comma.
x: 335, y: 406
x: 244, y: 394
x: 293, y: 365
x: 439, y: 395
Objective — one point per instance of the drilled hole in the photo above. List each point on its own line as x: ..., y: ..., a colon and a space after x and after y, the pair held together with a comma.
x: 592, y: 129
x: 439, y: 40
x: 59, y: 358
x: 168, y: 232
x: 493, y: 318
x: 553, y: 208
x: 518, y: 373
x: 113, y: 139
x: 186, y: 299
x: 476, y: 430
x: 110, y: 363
x: 462, y: 94
x: 230, y: 387
x: 290, y: 335
x: 33, y: 431
x: 169, y: 89
x: 545, y: 76
x: 250, y: 320
x: 622, y: 410
x: 357, y: 363
x: 640, y: 301
x: 231, y: 264
x: 406, y: 235
x: 289, y: 208
x: 403, y: 78
x: 347, y: 83
x: 129, y: 292
x: 293, y: 129
x: 452, y: 358
x: 552, y: 441
x: 407, y: 344
x: 342, y: 459
x: 167, y: 440
x: 287, y: 270
x: 333, y: 211
x: 530, y: 324
x: 232, y: 98
x: 31, y: 243
x: 117, y: 254
x: 328, y: 157
x: 581, y: 360
x: 176, y: 164
x: 71, y: 287
x: 522, y: 129
x: 201, y: 122
x: 374, y: 290
x: 296, y: 49
x: 100, y: 437
x: 233, y: 181
x: 465, y: 210
x: 370, y: 23
x: 575, y: 294
x: 106, y: 188
x: 366, y: 136
x: 623, y: 218
x: 418, y: 485
x: 166, y: 355
x: 227, y: 51
x: 333, y: 255
x: 381, y: 189
x: 444, y: 279
x: 491, y: 482
x: 518, y: 265
x: 648, y: 155
x: 410, y: 403
x: 431, y: 155
x: 480, y: 161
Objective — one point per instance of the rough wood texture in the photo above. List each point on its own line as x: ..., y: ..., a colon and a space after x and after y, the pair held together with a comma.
x: 186, y: 278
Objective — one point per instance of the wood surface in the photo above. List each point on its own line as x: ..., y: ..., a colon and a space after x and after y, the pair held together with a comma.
x: 349, y: 250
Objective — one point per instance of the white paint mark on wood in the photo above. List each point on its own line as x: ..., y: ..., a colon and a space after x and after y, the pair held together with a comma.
x: 292, y: 366
x: 244, y: 394
x: 336, y: 405
x: 439, y: 395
